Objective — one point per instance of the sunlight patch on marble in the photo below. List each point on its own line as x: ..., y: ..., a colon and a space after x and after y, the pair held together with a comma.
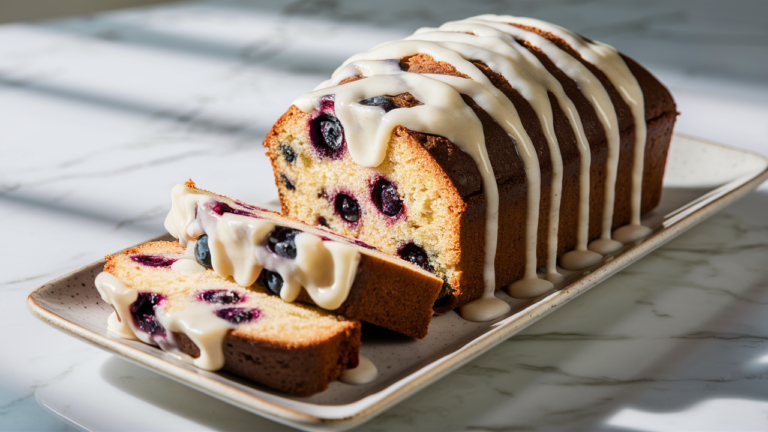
x: 743, y: 414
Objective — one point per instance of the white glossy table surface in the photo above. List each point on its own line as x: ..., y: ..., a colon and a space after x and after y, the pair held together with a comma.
x: 100, y: 116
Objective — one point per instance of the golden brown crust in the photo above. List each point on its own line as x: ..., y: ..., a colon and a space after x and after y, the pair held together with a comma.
x: 300, y: 371
x: 385, y: 294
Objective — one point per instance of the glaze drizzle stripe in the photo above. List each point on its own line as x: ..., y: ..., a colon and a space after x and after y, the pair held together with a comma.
x: 600, y: 101
x: 607, y: 59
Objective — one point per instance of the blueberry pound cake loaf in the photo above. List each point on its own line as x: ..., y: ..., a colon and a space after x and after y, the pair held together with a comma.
x: 297, y: 262
x: 482, y: 151
x: 163, y: 297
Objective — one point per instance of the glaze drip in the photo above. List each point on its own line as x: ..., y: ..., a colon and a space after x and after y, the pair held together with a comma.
x: 364, y: 373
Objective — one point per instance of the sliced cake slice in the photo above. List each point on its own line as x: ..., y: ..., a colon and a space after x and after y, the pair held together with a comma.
x: 299, y: 262
x: 163, y: 297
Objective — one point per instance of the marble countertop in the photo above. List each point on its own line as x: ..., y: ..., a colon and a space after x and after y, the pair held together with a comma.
x: 101, y: 115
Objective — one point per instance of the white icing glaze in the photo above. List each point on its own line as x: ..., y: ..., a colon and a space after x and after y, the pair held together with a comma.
x: 190, y: 250
x: 364, y: 373
x: 579, y: 259
x: 605, y: 246
x: 631, y: 233
x: 231, y: 240
x: 201, y: 325
x: 529, y: 288
x: 238, y: 246
x: 181, y: 221
x: 114, y: 292
x: 484, y: 309
x: 327, y: 271
x: 189, y: 266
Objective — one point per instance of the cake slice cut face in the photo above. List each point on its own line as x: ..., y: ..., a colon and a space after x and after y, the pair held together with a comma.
x: 297, y: 262
x: 480, y: 151
x: 162, y: 296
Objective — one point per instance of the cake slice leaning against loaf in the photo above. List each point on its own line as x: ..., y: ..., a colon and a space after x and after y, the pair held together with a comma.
x: 298, y: 262
x: 163, y: 297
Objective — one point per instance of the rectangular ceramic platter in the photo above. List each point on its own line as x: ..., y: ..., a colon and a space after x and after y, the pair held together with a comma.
x: 701, y: 179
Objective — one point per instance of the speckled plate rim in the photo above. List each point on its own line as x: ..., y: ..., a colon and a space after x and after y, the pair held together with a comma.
x: 323, y: 418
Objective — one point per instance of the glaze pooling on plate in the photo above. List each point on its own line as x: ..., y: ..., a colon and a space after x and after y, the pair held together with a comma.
x: 493, y: 40
x: 364, y: 373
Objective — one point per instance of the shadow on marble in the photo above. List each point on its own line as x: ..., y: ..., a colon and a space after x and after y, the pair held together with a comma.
x: 55, y: 207
x: 168, y: 395
x: 204, y: 123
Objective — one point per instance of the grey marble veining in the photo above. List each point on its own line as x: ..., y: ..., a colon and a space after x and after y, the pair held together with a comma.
x: 101, y: 115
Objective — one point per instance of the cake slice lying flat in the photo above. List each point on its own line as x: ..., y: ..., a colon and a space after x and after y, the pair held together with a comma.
x: 302, y: 263
x: 163, y: 297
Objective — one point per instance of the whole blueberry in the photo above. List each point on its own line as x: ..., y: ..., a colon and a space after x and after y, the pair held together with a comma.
x: 333, y: 133
x: 202, y: 252
x: 327, y: 135
x: 347, y: 208
x: 384, y: 102
x: 282, y: 241
x: 272, y: 280
x: 385, y: 196
x: 415, y: 254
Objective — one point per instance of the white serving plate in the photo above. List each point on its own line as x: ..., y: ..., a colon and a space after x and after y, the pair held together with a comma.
x: 702, y: 178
